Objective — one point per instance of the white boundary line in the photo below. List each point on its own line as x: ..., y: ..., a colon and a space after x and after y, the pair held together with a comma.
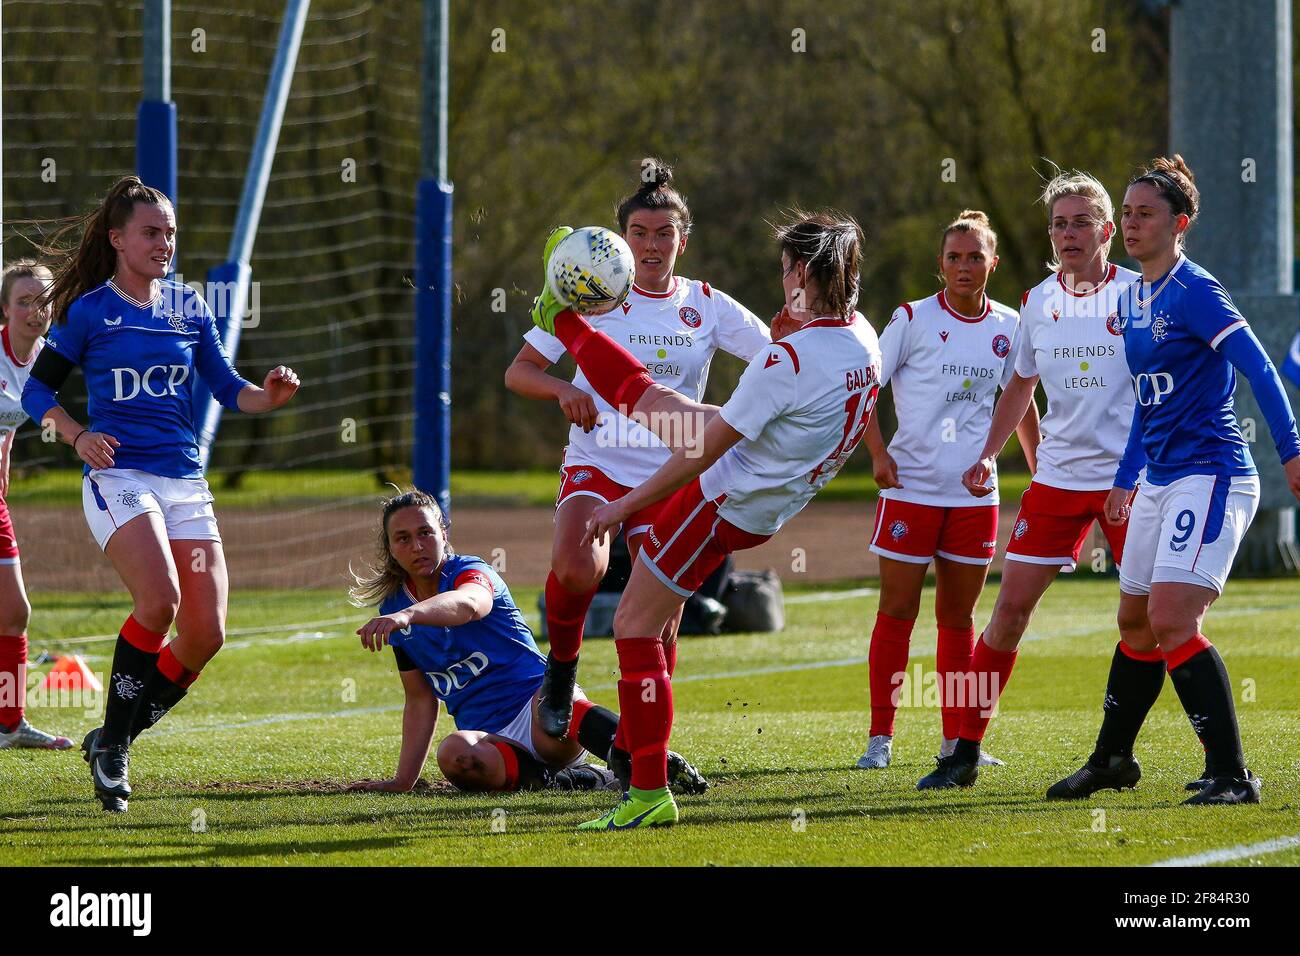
x: 1231, y: 853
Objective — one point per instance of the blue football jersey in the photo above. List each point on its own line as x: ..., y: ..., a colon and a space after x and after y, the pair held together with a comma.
x: 485, y: 671
x: 1183, y: 385
x: 139, y: 361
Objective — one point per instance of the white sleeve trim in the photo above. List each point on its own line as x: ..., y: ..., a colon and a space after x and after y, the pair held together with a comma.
x: 1239, y: 324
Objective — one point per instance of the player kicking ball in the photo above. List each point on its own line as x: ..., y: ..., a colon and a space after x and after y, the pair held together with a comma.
x: 796, y: 415
x: 459, y: 638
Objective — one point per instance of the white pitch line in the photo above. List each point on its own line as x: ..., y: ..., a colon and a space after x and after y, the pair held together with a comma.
x: 1233, y: 853
x: 819, y: 596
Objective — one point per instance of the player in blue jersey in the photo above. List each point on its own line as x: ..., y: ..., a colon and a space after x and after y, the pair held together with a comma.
x: 1185, y: 342
x: 1291, y: 366
x: 459, y: 638
x: 141, y: 340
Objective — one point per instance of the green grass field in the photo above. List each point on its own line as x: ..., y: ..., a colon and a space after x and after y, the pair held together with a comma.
x: 249, y: 769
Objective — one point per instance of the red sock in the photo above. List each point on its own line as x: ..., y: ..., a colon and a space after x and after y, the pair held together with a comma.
x: 670, y: 657
x: 952, y: 660
x: 645, y: 699
x: 990, y: 671
x: 174, y: 670
x: 887, y: 659
x: 13, y: 678
x: 512, y: 764
x: 566, y: 613
x: 580, y: 709
x: 612, y: 370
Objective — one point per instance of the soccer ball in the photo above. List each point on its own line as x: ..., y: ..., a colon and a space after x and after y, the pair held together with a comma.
x: 591, y: 270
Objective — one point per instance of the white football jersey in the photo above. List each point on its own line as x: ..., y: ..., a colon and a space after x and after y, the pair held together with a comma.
x: 13, y: 376
x: 802, y: 406
x: 945, y: 370
x: 1074, y: 344
x: 674, y: 334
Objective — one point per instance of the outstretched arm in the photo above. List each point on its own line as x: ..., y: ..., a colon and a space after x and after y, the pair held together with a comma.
x: 679, y: 470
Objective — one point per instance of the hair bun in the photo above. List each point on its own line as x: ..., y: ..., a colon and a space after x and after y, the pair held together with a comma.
x: 1175, y: 165
x: 975, y: 215
x: 655, y: 174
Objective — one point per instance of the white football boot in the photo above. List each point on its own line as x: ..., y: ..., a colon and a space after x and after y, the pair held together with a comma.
x: 986, y: 760
x: 880, y: 750
x: 25, y: 735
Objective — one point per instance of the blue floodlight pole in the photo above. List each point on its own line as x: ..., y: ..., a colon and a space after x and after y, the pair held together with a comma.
x: 228, y: 283
x: 432, y: 445
x: 155, y: 127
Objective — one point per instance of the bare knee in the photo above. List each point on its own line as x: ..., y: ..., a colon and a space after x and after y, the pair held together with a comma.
x: 466, y: 765
x: 577, y: 573
x: 1134, y: 630
x: 157, y: 612
x: 1169, y: 623
x: 14, y: 619
x: 1010, y: 621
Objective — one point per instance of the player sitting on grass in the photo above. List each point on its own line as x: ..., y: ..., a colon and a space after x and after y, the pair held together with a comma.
x: 460, y: 639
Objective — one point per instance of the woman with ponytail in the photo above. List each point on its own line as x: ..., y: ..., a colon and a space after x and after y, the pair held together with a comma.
x: 945, y: 357
x: 673, y: 325
x: 140, y: 340
x: 736, y: 474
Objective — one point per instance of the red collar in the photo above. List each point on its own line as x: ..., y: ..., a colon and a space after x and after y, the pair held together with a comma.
x: 829, y: 322
x: 1110, y: 274
x: 656, y: 295
x: 9, y: 350
x: 943, y: 303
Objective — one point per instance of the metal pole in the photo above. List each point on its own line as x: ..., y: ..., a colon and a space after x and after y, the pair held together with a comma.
x: 155, y: 138
x: 431, y: 463
x: 1230, y: 116
x: 228, y: 284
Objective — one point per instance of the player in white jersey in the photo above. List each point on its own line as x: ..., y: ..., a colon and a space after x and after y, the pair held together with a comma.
x: 23, y: 335
x: 673, y: 326
x: 945, y: 357
x: 799, y: 410
x: 1071, y: 341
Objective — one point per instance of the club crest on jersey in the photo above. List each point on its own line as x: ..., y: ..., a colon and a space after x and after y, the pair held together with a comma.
x: 1021, y: 529
x: 897, y: 530
x: 944, y: 335
x: 580, y: 476
x: 690, y: 318
x: 1159, y: 328
x: 175, y: 320
x: 1115, y: 324
x: 1001, y: 346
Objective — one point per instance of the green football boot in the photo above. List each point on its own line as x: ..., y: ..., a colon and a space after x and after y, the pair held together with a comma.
x: 546, y: 307
x: 634, y: 812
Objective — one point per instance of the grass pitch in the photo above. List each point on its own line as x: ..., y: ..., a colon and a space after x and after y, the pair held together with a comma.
x: 249, y: 769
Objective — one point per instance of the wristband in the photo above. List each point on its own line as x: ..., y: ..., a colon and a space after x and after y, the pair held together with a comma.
x: 78, y: 435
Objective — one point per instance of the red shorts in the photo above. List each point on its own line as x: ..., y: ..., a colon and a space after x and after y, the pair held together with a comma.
x: 580, y: 480
x: 690, y: 539
x: 1053, y: 523
x: 8, y: 541
x: 915, y: 533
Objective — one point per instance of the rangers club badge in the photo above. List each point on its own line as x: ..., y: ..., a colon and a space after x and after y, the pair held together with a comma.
x: 897, y: 530
x: 129, y: 499
x: 580, y: 476
x: 1001, y: 346
x: 1114, y: 324
x: 176, y: 321
x: 1021, y: 529
x: 1159, y: 328
x: 690, y: 318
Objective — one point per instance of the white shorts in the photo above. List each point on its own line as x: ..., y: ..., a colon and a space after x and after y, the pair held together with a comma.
x: 111, y: 497
x: 1187, y: 532
x: 520, y: 731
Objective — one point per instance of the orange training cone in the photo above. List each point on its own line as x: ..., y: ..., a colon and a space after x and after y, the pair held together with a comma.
x: 71, y: 673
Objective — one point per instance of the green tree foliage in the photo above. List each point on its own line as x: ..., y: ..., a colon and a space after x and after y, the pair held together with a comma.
x: 763, y: 106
